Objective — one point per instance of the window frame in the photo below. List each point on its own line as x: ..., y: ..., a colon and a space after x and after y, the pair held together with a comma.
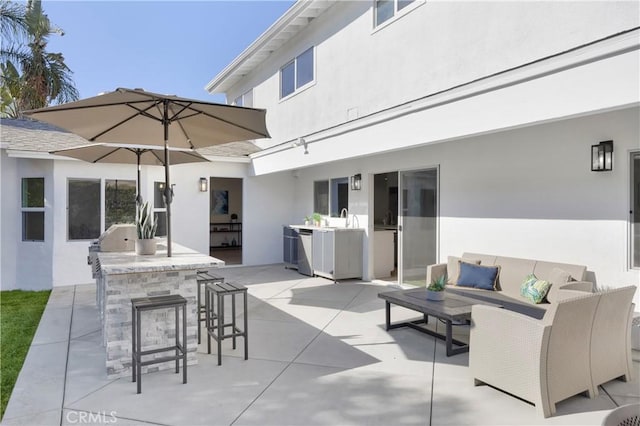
x: 241, y: 100
x: 100, y: 207
x: 397, y: 13
x: 162, y: 209
x: 296, y: 88
x: 37, y: 209
x: 331, y: 183
x: 133, y: 185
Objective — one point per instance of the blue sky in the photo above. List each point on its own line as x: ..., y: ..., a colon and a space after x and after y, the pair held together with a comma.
x: 170, y: 47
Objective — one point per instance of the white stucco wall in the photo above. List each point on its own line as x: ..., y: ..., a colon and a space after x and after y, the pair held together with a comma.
x: 524, y: 193
x: 436, y: 46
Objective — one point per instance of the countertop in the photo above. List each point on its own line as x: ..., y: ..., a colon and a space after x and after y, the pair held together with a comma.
x: 129, y: 262
x: 324, y: 228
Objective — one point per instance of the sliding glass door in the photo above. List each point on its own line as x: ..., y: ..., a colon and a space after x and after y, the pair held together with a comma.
x: 418, y: 220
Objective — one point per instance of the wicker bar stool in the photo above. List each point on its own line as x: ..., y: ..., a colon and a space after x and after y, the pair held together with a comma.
x: 215, y: 323
x: 141, y: 304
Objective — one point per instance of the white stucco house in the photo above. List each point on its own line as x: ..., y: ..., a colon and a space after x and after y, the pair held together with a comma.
x: 469, y: 124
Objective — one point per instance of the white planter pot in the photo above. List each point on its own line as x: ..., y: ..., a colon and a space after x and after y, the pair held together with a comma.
x: 435, y: 295
x: 146, y: 247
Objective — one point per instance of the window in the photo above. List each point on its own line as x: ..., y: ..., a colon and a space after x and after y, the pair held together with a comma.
x: 321, y: 197
x: 387, y: 9
x: 33, y: 209
x: 160, y: 209
x: 119, y: 202
x: 330, y: 197
x: 83, y: 209
x: 245, y: 99
x: 297, y: 74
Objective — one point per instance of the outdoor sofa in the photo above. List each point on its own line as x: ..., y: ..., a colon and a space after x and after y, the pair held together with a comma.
x: 512, y: 272
x: 570, y: 342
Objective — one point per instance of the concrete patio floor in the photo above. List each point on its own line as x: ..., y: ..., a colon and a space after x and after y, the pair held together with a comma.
x: 318, y: 354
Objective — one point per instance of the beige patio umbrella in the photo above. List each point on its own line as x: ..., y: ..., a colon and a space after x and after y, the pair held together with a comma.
x: 137, y: 117
x: 127, y: 154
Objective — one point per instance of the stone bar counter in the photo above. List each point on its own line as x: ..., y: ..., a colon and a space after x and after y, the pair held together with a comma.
x: 121, y: 276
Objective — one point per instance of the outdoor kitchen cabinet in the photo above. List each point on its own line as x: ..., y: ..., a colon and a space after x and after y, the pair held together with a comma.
x: 337, y: 253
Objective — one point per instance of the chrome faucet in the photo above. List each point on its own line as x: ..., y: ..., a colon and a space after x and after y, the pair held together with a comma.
x: 345, y: 212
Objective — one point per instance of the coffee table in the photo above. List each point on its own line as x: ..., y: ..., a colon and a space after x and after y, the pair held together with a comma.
x: 454, y: 308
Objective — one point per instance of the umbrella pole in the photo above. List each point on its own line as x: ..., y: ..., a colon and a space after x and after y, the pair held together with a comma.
x: 167, y: 190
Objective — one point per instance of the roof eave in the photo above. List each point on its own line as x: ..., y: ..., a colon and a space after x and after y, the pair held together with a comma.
x: 288, y: 24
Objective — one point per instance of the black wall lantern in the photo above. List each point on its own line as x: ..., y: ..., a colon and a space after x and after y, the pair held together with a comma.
x: 602, y: 157
x: 356, y: 182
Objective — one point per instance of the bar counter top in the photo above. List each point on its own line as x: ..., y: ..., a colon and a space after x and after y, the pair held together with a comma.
x: 183, y: 258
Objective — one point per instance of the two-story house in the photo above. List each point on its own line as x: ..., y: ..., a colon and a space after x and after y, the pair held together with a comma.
x: 469, y: 125
x: 442, y: 127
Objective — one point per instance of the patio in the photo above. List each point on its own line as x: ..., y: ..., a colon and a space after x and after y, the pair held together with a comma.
x: 318, y: 354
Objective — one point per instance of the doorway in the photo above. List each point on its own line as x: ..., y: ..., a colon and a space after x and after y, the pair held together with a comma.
x: 405, y: 225
x: 418, y: 224
x: 634, y: 212
x: 225, y: 219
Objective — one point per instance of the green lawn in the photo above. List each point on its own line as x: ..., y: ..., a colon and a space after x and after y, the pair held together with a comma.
x: 20, y: 313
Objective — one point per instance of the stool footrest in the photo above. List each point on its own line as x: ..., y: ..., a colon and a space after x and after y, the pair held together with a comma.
x: 159, y: 360
x: 155, y: 351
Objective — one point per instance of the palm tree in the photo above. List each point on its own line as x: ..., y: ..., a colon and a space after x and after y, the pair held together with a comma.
x: 43, y: 77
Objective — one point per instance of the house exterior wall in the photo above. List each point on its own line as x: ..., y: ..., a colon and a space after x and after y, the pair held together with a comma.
x: 58, y: 261
x: 25, y: 265
x: 436, y: 46
x: 504, y: 98
x: 524, y: 193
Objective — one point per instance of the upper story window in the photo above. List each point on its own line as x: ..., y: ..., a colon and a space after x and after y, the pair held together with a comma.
x: 387, y: 9
x: 246, y: 99
x: 32, y: 209
x: 297, y: 74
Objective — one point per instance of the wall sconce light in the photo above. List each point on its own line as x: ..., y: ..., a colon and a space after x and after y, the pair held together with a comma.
x: 602, y: 157
x: 356, y: 182
x: 299, y: 142
x: 203, y: 184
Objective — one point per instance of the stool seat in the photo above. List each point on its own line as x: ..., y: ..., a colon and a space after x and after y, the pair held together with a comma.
x: 141, y: 304
x: 214, y: 315
x: 202, y: 278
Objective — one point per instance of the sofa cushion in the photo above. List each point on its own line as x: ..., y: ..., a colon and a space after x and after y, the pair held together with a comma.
x: 521, y: 306
x: 534, y: 289
x: 453, y: 268
x: 478, y: 276
x: 556, y: 278
x: 511, y: 274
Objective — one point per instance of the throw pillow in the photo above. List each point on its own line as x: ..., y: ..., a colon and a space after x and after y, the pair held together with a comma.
x: 478, y: 276
x: 559, y: 276
x: 533, y: 289
x: 453, y: 268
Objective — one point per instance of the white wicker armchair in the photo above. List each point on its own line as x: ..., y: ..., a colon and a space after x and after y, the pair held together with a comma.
x: 541, y: 361
x: 611, y: 336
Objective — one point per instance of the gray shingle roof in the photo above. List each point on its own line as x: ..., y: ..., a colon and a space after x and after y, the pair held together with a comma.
x: 32, y: 135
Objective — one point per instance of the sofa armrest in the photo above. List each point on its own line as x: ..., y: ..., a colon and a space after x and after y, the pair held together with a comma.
x: 578, y: 285
x: 436, y: 271
x: 507, y: 350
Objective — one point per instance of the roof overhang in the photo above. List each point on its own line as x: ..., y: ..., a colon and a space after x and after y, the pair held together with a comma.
x: 293, y: 21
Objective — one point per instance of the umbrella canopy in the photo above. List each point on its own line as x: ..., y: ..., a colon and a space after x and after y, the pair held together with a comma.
x: 127, y: 116
x: 124, y: 154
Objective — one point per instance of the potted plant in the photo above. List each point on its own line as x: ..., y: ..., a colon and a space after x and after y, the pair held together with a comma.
x: 307, y: 220
x: 146, y: 226
x: 317, y: 219
x: 435, y: 290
